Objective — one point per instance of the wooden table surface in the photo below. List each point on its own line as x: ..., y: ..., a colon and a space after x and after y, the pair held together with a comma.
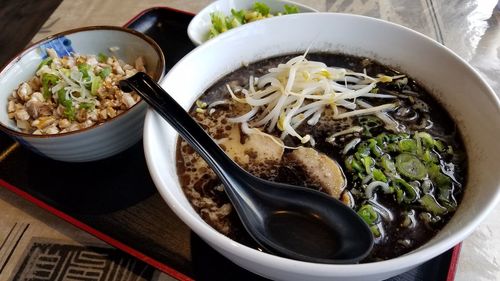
x: 20, y: 20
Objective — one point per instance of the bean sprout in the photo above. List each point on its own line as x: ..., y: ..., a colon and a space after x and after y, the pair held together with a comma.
x: 300, y: 90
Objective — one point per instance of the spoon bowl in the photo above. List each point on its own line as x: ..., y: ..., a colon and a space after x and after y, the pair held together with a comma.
x: 300, y: 223
x: 290, y: 221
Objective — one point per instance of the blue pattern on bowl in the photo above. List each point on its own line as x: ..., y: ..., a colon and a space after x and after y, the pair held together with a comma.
x: 61, y: 45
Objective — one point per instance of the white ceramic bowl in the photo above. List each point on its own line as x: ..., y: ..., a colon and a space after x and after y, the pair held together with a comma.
x: 100, y: 141
x: 200, y: 25
x: 470, y: 101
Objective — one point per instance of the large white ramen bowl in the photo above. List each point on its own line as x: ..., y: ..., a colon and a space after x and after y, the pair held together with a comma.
x: 470, y: 101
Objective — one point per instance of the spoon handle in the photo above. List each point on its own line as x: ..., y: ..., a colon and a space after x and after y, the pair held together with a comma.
x: 182, y: 122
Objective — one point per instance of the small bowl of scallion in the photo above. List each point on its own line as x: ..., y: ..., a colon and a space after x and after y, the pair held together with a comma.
x: 225, y: 15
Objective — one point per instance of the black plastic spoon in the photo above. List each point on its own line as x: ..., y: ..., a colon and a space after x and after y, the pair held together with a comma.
x: 289, y: 221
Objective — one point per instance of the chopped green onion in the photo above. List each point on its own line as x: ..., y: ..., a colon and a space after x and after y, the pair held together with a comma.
x: 102, y: 57
x: 439, y: 145
x: 86, y: 105
x: 397, y: 137
x: 239, y: 16
x: 438, y: 178
x: 375, y: 230
x: 419, y: 149
x: 96, y: 84
x: 348, y: 163
x: 368, y: 163
x: 357, y: 166
x: 61, y: 96
x: 290, y: 9
x: 213, y: 32
x: 430, y: 156
x: 410, y: 192
x: 387, y: 164
x: 374, y: 148
x: 399, y: 194
x: 426, y: 137
x: 430, y: 204
x: 444, y: 193
x: 449, y: 150
x: 105, y: 72
x: 352, y: 164
x: 379, y: 175
x: 218, y: 24
x: 46, y: 61
x: 362, y: 151
x: 450, y: 205
x: 48, y: 80
x: 261, y: 8
x: 407, y: 145
x: 201, y: 104
x: 368, y: 214
x: 392, y: 147
x: 69, y: 110
x: 410, y: 166
x: 84, y: 69
x: 427, y: 186
x: 382, y: 139
x: 408, y: 219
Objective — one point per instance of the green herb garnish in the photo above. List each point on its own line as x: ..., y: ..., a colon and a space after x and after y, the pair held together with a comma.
x: 84, y: 69
x: 69, y: 110
x: 261, y: 8
x: 291, y: 9
x: 410, y: 166
x: 87, y: 105
x: 368, y: 214
x: 48, y: 81
x: 222, y: 23
x: 47, y: 61
x: 102, y: 57
x: 105, y: 72
x: 96, y: 84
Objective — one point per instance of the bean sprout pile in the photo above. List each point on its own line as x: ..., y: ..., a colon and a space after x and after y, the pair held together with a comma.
x: 300, y: 91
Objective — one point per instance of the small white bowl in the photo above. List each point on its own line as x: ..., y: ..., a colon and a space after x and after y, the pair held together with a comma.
x: 99, y: 141
x: 471, y: 102
x: 200, y: 25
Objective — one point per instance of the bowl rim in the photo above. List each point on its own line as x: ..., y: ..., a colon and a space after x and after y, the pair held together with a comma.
x: 158, y: 73
x: 242, y: 251
x: 190, y: 29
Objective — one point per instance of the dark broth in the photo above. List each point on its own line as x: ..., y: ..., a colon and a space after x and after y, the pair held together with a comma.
x: 419, y: 112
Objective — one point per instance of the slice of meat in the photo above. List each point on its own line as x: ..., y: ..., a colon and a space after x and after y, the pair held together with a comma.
x: 256, y: 153
x: 322, y: 170
x: 252, y: 149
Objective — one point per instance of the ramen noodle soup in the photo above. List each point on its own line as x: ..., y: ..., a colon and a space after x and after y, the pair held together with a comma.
x: 347, y: 126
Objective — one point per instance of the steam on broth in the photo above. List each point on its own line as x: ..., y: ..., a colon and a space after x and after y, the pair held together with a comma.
x: 347, y: 126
